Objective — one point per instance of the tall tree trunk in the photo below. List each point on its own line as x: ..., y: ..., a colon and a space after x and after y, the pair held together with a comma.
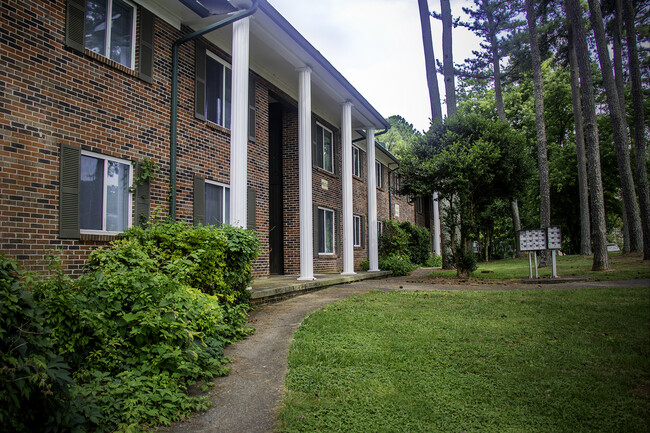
x: 540, y: 122
x: 619, y: 128
x: 639, y: 126
x: 501, y: 112
x: 430, y: 60
x: 448, y: 57
x: 620, y: 88
x: 598, y: 228
x: 585, y: 230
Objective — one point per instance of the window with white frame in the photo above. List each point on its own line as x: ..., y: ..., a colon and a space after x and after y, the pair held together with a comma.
x: 110, y: 30
x: 324, y: 148
x: 325, y: 231
x: 356, y: 161
x: 104, y: 196
x: 379, y: 174
x: 217, y: 203
x: 218, y: 82
x: 356, y: 220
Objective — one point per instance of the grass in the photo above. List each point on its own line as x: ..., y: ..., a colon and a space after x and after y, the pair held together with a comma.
x: 505, y: 361
x: 622, y: 267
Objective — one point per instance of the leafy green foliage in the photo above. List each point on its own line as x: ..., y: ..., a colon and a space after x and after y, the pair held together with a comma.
x: 465, y: 262
x: 399, y: 265
x: 419, y: 243
x: 35, y: 381
x: 133, y: 328
x: 393, y: 240
x: 434, y: 261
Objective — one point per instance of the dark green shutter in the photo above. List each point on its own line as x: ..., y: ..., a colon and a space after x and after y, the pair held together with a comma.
x: 199, y: 201
x: 314, y: 143
x: 363, y: 232
x: 75, y: 24
x: 145, y: 64
x: 142, y: 200
x: 316, y: 223
x: 199, y: 80
x: 338, y: 234
x: 251, y: 107
x: 251, y: 203
x: 69, y: 187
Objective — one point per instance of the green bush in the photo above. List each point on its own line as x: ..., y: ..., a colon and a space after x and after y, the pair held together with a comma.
x: 400, y: 265
x: 34, y: 380
x: 434, y: 261
x: 465, y: 262
x: 393, y: 240
x: 364, y: 265
x: 136, y: 331
x: 419, y: 242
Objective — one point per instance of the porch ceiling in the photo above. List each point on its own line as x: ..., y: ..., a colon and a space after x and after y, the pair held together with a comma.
x: 277, y: 52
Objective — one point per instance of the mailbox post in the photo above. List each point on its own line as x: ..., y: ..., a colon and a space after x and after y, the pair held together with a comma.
x: 532, y: 241
x: 554, y: 243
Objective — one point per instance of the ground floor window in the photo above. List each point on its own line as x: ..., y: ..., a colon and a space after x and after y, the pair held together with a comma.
x: 217, y: 204
x: 325, y: 231
x: 380, y: 228
x: 357, y: 230
x: 104, y: 196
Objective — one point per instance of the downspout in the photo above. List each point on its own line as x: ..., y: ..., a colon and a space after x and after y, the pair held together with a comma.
x: 390, y: 193
x: 174, y: 108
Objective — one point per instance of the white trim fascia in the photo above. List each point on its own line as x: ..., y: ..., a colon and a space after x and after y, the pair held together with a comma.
x: 160, y: 12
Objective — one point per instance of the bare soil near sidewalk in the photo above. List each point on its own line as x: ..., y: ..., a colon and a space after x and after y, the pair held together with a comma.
x: 248, y: 398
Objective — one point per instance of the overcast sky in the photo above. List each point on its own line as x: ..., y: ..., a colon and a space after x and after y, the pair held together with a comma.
x: 377, y: 46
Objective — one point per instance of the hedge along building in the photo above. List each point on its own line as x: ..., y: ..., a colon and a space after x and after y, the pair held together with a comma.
x: 257, y: 133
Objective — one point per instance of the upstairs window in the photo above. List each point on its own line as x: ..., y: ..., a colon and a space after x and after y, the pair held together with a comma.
x: 324, y: 148
x: 379, y: 174
x: 218, y: 80
x: 356, y: 161
x: 104, y: 197
x: 110, y: 30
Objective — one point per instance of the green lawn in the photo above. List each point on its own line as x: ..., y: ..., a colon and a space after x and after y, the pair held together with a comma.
x: 622, y: 267
x: 505, y: 361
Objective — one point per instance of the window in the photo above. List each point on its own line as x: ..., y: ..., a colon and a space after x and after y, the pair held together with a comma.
x: 357, y: 230
x: 325, y: 231
x: 380, y: 228
x: 379, y: 174
x: 110, y: 30
x: 395, y: 183
x: 217, y: 204
x: 419, y: 205
x: 104, y: 197
x: 356, y: 161
x: 218, y: 78
x: 324, y: 148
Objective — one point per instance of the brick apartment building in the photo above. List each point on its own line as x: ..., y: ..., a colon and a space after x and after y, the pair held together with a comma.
x: 260, y: 131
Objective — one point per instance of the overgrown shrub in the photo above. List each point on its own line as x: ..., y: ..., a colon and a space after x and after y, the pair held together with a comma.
x: 400, y: 265
x: 419, y: 242
x: 434, y: 261
x: 134, y: 329
x: 465, y: 262
x: 35, y: 382
x: 364, y: 265
x: 394, y: 241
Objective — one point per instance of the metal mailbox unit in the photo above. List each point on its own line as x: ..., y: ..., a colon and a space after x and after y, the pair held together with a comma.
x: 540, y: 240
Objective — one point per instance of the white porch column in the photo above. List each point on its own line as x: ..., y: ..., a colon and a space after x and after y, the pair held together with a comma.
x: 348, y: 220
x: 239, y: 123
x: 305, y: 165
x: 373, y: 244
x: 436, y: 224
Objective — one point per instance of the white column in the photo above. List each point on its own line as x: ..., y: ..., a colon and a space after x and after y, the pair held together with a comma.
x: 373, y: 245
x: 305, y: 165
x: 348, y: 220
x: 239, y: 123
x: 436, y: 225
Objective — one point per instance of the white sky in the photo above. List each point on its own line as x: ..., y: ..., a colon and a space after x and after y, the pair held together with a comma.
x: 377, y: 46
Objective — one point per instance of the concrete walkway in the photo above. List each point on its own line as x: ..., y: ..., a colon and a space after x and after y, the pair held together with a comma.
x: 246, y: 401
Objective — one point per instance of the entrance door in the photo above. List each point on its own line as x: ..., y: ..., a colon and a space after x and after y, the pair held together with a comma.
x: 276, y: 218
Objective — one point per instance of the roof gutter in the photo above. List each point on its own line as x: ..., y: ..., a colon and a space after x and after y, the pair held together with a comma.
x: 174, y: 107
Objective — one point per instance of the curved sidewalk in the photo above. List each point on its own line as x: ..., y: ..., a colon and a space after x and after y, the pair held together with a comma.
x: 246, y: 401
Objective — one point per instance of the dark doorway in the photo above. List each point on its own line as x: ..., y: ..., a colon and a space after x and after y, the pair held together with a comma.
x: 276, y: 219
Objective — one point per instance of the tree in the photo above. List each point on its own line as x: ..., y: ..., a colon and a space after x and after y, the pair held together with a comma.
x: 598, y: 229
x: 448, y: 57
x: 639, y: 125
x: 472, y: 162
x: 430, y: 61
x: 542, y: 155
x: 583, y: 190
x: 621, y: 138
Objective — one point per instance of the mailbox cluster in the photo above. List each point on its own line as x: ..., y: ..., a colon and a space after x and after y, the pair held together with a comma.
x: 540, y: 239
